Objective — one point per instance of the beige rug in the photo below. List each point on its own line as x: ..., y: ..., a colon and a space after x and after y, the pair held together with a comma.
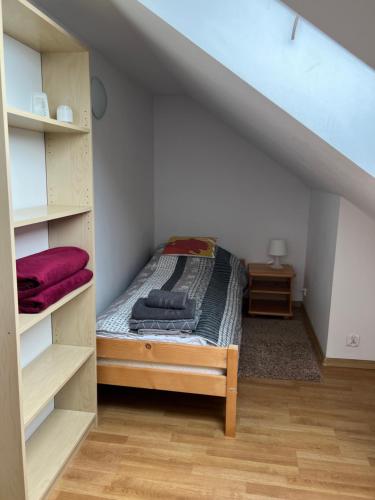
x: 278, y: 349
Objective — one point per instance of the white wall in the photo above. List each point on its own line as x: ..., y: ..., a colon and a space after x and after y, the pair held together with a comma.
x: 320, y: 259
x: 210, y: 181
x: 123, y: 178
x: 340, y: 276
x: 353, y: 291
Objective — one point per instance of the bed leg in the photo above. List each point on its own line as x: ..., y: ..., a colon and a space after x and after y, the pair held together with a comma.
x: 231, y: 391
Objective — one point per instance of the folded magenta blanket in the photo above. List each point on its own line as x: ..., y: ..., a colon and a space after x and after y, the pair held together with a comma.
x: 50, y: 295
x: 166, y: 299
x: 39, y: 271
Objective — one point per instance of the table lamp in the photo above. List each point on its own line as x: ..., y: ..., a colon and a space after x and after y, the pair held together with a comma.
x: 277, y: 249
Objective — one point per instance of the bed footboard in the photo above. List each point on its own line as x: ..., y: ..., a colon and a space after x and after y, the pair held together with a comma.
x: 111, y: 352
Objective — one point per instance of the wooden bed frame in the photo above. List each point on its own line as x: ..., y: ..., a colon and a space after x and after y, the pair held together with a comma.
x: 171, y: 380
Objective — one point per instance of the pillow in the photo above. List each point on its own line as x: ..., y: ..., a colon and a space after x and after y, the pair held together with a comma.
x: 191, y: 246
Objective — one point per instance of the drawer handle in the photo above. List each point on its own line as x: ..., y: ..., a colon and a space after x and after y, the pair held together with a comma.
x: 148, y: 346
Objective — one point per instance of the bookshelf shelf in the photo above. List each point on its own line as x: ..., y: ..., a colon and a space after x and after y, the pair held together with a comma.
x: 48, y: 373
x: 35, y: 215
x: 26, y: 321
x: 51, y: 446
x: 29, y: 121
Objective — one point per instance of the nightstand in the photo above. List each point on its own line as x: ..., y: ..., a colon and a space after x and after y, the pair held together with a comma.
x: 270, y: 290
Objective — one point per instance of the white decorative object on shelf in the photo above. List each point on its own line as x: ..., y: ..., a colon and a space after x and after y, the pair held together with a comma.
x: 277, y: 249
x: 39, y: 104
x: 65, y: 113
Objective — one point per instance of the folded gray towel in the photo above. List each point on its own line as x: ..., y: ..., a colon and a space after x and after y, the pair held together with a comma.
x: 182, y: 325
x: 166, y: 300
x: 141, y: 311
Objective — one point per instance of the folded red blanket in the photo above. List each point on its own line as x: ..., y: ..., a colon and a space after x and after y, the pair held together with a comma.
x: 52, y: 294
x: 41, y: 270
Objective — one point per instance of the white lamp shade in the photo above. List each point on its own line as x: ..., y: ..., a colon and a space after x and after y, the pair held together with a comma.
x: 277, y: 248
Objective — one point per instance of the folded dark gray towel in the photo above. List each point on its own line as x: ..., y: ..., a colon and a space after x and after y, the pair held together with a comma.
x: 167, y: 300
x: 181, y: 325
x: 142, y: 311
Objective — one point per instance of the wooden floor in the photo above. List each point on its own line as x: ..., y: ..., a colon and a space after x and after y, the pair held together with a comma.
x: 295, y: 440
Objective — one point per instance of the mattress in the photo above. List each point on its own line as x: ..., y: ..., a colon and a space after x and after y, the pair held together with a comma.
x: 216, y: 284
x: 180, y: 338
x: 201, y: 370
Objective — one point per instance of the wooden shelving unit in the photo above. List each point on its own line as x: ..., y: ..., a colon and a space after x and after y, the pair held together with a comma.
x: 270, y: 290
x: 66, y: 371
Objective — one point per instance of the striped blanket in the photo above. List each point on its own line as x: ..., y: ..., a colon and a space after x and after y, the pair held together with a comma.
x: 216, y: 285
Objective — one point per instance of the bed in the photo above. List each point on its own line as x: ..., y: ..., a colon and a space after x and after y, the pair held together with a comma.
x: 202, y: 362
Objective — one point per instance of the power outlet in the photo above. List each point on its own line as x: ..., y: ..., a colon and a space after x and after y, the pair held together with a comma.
x: 353, y: 340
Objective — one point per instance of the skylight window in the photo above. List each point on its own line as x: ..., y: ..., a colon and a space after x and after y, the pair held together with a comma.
x: 312, y: 78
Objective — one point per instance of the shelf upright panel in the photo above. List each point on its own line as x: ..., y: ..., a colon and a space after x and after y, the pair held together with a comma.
x: 12, y: 439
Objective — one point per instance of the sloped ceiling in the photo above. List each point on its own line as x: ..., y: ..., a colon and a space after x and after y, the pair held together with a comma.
x: 349, y: 22
x: 226, y: 95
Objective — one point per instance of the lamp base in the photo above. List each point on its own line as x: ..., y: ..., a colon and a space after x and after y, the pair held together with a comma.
x: 273, y: 266
x: 276, y: 263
